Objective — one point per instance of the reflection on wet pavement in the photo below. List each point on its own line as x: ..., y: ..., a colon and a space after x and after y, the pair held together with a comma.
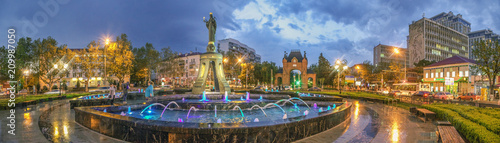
x: 377, y: 123
x: 60, y: 126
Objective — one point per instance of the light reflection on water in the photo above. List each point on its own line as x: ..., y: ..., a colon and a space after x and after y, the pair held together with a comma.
x: 395, y: 132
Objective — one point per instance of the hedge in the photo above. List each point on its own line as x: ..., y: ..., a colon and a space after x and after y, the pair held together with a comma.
x: 472, y: 131
x: 491, y: 123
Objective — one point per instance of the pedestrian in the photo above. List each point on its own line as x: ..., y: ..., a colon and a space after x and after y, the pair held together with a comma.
x: 111, y: 94
x: 126, y: 86
x: 149, y: 90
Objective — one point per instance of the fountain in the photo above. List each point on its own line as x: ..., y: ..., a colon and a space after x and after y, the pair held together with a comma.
x: 240, y: 110
x: 328, y: 108
x: 195, y: 109
x: 204, y: 97
x: 320, y: 109
x: 207, y: 127
x: 259, y: 108
x: 167, y: 107
x: 225, y: 97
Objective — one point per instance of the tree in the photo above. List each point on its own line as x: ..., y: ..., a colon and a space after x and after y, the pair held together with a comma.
x: 121, y: 56
x: 419, y: 68
x: 46, y: 55
x: 262, y: 71
x: 231, y: 64
x: 246, y: 70
x: 89, y: 61
x: 487, y: 60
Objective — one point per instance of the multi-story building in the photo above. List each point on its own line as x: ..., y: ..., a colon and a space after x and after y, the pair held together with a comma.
x: 450, y: 75
x: 239, y: 49
x: 189, y: 63
x: 476, y: 36
x: 390, y: 54
x: 433, y: 41
x: 75, y: 75
x: 453, y: 21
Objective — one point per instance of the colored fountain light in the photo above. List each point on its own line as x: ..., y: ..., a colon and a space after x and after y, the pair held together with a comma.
x: 334, y: 106
x: 215, y: 111
x: 130, y: 111
x: 260, y: 98
x: 242, y: 115
x: 104, y: 110
x: 306, y: 112
x: 248, y: 96
x: 219, y: 120
x: 225, y: 97
x: 328, y: 108
x: 180, y: 120
x: 256, y: 120
x: 315, y: 105
x: 204, y: 97
x: 241, y: 98
x: 321, y: 109
x: 183, y: 99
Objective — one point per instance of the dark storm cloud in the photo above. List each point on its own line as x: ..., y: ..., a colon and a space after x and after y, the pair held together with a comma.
x: 357, y: 25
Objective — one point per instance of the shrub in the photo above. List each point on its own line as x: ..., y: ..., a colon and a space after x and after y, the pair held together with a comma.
x: 54, y: 87
x: 472, y: 131
x: 492, y: 124
x: 44, y: 88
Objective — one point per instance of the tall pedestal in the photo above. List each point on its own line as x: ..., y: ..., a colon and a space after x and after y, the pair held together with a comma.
x: 211, y: 61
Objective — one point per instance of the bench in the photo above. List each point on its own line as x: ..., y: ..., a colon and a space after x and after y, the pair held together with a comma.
x: 449, y: 134
x: 424, y: 114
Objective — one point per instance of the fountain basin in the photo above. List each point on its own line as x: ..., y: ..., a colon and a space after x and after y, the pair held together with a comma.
x: 136, y: 129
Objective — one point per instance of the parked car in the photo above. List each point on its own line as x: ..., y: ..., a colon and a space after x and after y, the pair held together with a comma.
x: 469, y: 96
x: 53, y: 92
x: 287, y: 88
x: 314, y: 89
x: 443, y: 95
x: 422, y: 94
x: 395, y: 93
x: 100, y: 89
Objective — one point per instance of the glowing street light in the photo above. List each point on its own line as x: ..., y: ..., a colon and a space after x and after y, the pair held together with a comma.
x: 239, y: 60
x: 107, y: 41
x: 225, y: 60
x: 65, y: 66
x: 55, y: 66
x: 396, y: 50
x: 338, y: 61
x: 357, y: 67
x: 345, y: 67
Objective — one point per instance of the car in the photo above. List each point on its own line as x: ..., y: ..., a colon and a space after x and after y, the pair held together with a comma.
x: 258, y: 88
x: 314, y: 89
x: 469, y: 96
x: 422, y: 94
x: 395, y: 93
x: 100, y: 89
x: 443, y: 96
x: 53, y: 92
x: 287, y: 88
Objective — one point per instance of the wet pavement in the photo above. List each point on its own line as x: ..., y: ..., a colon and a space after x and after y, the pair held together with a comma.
x: 378, y: 123
x: 370, y: 122
x: 57, y: 124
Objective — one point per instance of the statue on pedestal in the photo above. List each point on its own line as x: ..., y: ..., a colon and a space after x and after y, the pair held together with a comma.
x: 212, y: 27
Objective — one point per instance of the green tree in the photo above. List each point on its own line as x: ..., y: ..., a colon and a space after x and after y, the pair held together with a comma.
x: 120, y: 58
x: 262, y: 71
x: 46, y: 55
x: 89, y: 61
x: 487, y: 60
x: 246, y: 75
x: 419, y: 68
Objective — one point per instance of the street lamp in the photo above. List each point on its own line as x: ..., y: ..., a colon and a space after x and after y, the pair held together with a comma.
x: 396, y: 50
x: 337, y: 67
x: 105, y: 73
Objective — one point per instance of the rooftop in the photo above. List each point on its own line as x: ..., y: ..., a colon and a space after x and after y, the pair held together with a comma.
x: 452, y: 60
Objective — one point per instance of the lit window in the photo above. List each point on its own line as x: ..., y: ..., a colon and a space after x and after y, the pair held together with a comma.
x: 381, y: 55
x: 432, y: 75
x: 437, y: 74
x: 441, y: 74
x: 466, y: 73
x: 426, y: 75
x: 460, y: 73
x: 441, y: 88
x: 453, y: 74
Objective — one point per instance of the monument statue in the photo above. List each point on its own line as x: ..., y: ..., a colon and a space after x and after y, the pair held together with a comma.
x: 212, y: 27
x: 211, y: 61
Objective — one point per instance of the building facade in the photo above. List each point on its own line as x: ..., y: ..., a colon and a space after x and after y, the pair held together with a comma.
x: 189, y: 63
x: 433, y: 41
x: 455, y: 22
x: 388, y: 54
x: 75, y: 74
x: 238, y: 48
x: 295, y: 68
x: 476, y: 36
x: 450, y: 75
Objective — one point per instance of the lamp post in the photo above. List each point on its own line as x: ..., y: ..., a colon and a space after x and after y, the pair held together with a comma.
x: 105, y: 74
x: 337, y: 67
x: 26, y: 73
x: 396, y: 50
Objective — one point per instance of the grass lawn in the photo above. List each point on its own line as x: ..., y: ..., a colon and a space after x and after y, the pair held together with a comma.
x: 20, y: 98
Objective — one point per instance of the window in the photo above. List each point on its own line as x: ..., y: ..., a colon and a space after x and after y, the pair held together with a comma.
x: 454, y: 51
x: 437, y: 74
x: 441, y: 74
x: 460, y: 73
x: 453, y: 74
x: 466, y: 73
x: 432, y: 75
x: 381, y: 55
x: 436, y: 52
x: 426, y: 75
x: 441, y: 88
x: 447, y: 74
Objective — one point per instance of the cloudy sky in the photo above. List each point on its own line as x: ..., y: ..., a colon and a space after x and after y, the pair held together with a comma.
x: 347, y: 29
